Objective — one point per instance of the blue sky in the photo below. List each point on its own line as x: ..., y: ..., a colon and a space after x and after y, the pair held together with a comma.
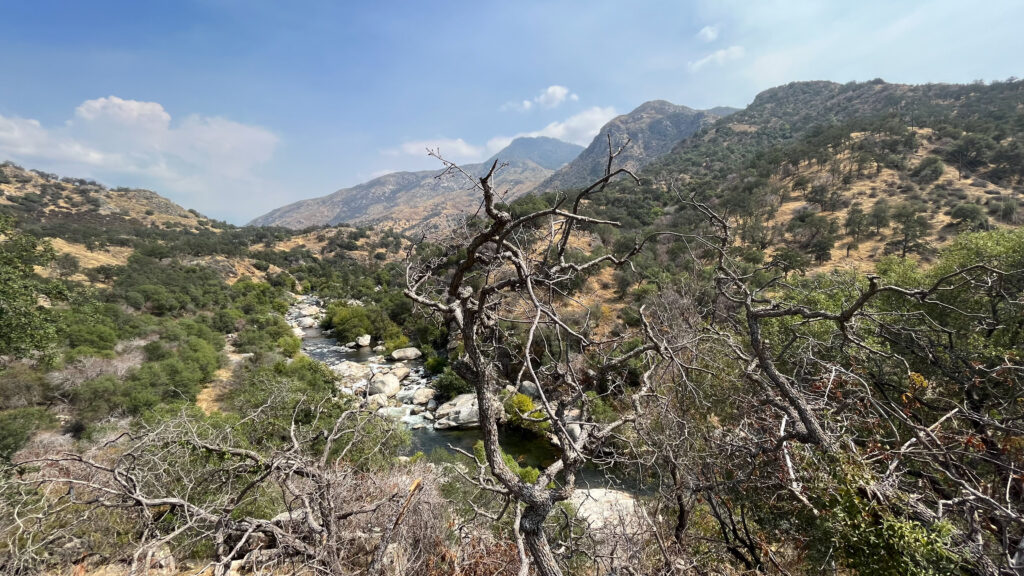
x: 236, y: 107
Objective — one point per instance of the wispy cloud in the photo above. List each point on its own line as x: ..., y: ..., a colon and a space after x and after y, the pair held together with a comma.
x: 551, y: 97
x: 454, y: 149
x: 708, y: 34
x: 718, y: 58
x: 207, y: 162
x: 579, y: 129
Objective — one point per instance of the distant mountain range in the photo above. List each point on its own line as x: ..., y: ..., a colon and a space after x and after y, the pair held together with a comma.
x: 409, y: 199
x: 406, y: 199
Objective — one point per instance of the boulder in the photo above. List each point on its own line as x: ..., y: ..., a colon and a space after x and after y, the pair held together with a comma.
x: 432, y: 405
x: 405, y: 395
x: 423, y: 395
x: 307, y: 322
x: 607, y: 509
x: 363, y: 341
x: 309, y: 310
x: 350, y: 371
x: 459, y: 412
x: 406, y: 354
x: 380, y: 349
x: 377, y: 401
x: 530, y: 389
x: 400, y: 371
x: 384, y: 384
x: 395, y: 413
x: 298, y: 332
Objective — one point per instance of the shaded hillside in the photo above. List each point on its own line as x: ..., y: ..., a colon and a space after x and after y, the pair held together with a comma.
x: 653, y: 129
x: 405, y: 199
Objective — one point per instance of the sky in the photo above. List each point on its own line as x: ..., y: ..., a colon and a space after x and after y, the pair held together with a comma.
x: 236, y: 107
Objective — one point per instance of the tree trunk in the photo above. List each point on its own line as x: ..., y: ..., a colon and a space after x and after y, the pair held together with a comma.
x: 532, y: 527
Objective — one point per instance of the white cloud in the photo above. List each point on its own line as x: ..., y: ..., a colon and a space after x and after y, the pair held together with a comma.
x: 578, y: 128
x: 551, y: 97
x: 204, y: 162
x: 718, y: 58
x: 454, y: 149
x: 708, y: 34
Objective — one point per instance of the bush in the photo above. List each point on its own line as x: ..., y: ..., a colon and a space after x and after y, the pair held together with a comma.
x: 289, y: 345
x: 449, y: 385
x: 17, y: 427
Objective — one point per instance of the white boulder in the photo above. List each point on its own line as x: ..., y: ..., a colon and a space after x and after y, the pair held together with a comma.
x: 406, y: 354
x: 377, y: 401
x: 384, y: 384
x: 363, y: 341
x: 423, y: 395
x: 459, y: 412
x: 350, y: 371
x: 400, y: 371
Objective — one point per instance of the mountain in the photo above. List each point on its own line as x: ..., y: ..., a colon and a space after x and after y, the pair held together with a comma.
x: 653, y: 129
x: 407, y: 199
x: 806, y: 167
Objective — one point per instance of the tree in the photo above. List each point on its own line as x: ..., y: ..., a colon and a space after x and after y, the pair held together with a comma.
x: 66, y: 265
x: 814, y: 233
x: 878, y: 217
x: 913, y: 227
x: 856, y: 223
x: 505, y: 309
x: 25, y: 325
x: 888, y: 487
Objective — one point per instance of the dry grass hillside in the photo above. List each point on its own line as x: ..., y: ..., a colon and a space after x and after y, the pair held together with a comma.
x: 377, y: 243
x: 864, y: 186
x: 49, y: 196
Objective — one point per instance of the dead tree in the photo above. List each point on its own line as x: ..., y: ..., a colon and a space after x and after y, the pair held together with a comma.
x: 512, y: 318
x: 911, y: 394
x: 307, y: 505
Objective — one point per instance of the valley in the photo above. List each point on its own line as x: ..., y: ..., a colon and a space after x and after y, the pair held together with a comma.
x: 760, y: 341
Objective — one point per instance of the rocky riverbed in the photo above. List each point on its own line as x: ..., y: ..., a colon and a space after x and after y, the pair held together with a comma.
x: 398, y: 387
x: 396, y: 384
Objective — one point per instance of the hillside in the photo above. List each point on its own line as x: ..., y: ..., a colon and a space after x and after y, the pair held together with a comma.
x: 653, y: 129
x: 406, y: 199
x: 97, y: 229
x: 51, y: 198
x: 789, y: 169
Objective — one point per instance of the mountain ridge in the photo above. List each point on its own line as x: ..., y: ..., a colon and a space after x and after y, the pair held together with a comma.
x: 653, y: 129
x: 410, y: 198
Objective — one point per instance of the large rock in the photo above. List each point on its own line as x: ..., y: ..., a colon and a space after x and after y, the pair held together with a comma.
x: 309, y: 310
x: 604, y: 508
x: 406, y: 354
x: 400, y: 371
x: 385, y: 384
x: 350, y: 371
x: 395, y: 412
x: 459, y: 412
x: 423, y: 395
x: 307, y: 322
x: 530, y: 389
x: 363, y: 341
x: 377, y: 401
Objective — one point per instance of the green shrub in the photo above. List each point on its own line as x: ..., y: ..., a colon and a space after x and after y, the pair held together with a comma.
x: 449, y: 385
x: 17, y: 427
x: 289, y: 345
